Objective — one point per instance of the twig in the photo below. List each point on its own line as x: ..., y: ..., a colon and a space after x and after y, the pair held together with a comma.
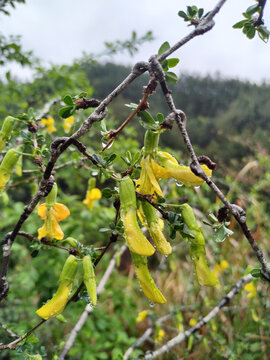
x: 141, y: 106
x: 186, y: 334
x: 145, y: 336
x: 89, y: 308
x: 9, y: 332
x: 205, y: 25
x: 23, y: 181
x: 260, y: 21
x: 15, y: 343
x: 181, y: 120
x: 44, y: 241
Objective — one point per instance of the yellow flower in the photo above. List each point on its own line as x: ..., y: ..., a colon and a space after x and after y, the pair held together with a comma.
x: 141, y: 316
x: 180, y: 327
x: 167, y: 166
x: 49, y: 123
x: 204, y: 275
x: 51, y: 216
x: 147, y: 183
x: 91, y: 196
x: 192, y: 322
x: 67, y: 123
x: 57, y: 304
x: 160, y: 335
x: 220, y: 268
x: 251, y: 289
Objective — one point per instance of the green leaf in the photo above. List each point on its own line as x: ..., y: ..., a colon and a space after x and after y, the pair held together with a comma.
x: 183, y: 15
x: 171, y: 77
x: 160, y: 117
x: 107, y: 193
x: 68, y: 100
x: 252, y: 9
x: 164, y: 65
x: 200, y: 12
x: 256, y: 273
x: 66, y: 111
x: 249, y: 30
x: 31, y: 339
x: 240, y: 24
x: 104, y: 230
x: 263, y: 33
x: 146, y: 120
x: 110, y: 159
x: 172, y: 62
x: 192, y: 11
x: 222, y: 233
x: 164, y: 47
x: 61, y: 318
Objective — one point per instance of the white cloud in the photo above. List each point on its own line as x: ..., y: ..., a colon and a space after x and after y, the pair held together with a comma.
x: 59, y: 31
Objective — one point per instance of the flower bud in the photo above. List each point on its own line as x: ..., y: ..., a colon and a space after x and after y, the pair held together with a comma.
x: 197, y: 249
x: 6, y: 130
x: 148, y: 285
x: 167, y: 166
x: 7, y: 166
x: 155, y: 230
x: 69, y: 270
x: 135, y: 239
x: 204, y: 276
x: 90, y: 279
x: 58, y: 302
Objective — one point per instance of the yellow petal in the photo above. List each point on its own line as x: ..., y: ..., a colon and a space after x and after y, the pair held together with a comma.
x: 170, y: 157
x: 60, y: 211
x: 57, y: 304
x: 152, y: 179
x: 56, y: 230
x: 95, y: 194
x: 42, y: 211
x: 135, y: 239
x: 148, y: 285
x: 204, y: 275
x: 42, y: 232
x: 159, y: 239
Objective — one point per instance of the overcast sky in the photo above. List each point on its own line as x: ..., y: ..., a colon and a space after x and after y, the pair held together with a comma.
x: 59, y: 31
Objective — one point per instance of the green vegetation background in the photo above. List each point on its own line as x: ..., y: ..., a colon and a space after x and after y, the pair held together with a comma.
x: 228, y: 120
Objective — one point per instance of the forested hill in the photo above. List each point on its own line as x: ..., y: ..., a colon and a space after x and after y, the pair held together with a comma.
x: 228, y: 119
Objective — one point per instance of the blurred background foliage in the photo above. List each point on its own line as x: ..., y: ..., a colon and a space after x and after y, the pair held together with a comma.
x: 228, y: 120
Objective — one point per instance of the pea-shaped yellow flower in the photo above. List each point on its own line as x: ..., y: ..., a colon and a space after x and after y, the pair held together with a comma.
x: 251, y: 289
x: 142, y: 315
x: 67, y: 123
x: 49, y: 123
x: 52, y: 212
x: 91, y: 196
x: 51, y: 216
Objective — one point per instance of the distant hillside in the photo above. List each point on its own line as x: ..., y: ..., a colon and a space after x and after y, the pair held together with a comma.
x: 227, y: 119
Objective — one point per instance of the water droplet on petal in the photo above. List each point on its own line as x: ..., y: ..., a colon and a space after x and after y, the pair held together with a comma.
x: 179, y: 183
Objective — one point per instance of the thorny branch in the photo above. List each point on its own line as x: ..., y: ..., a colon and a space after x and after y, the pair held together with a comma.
x: 181, y: 120
x: 260, y: 21
x: 59, y: 145
x: 186, y: 334
x: 89, y: 308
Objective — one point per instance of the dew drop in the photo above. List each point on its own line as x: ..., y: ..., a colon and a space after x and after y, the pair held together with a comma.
x: 109, y: 146
x: 179, y: 183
